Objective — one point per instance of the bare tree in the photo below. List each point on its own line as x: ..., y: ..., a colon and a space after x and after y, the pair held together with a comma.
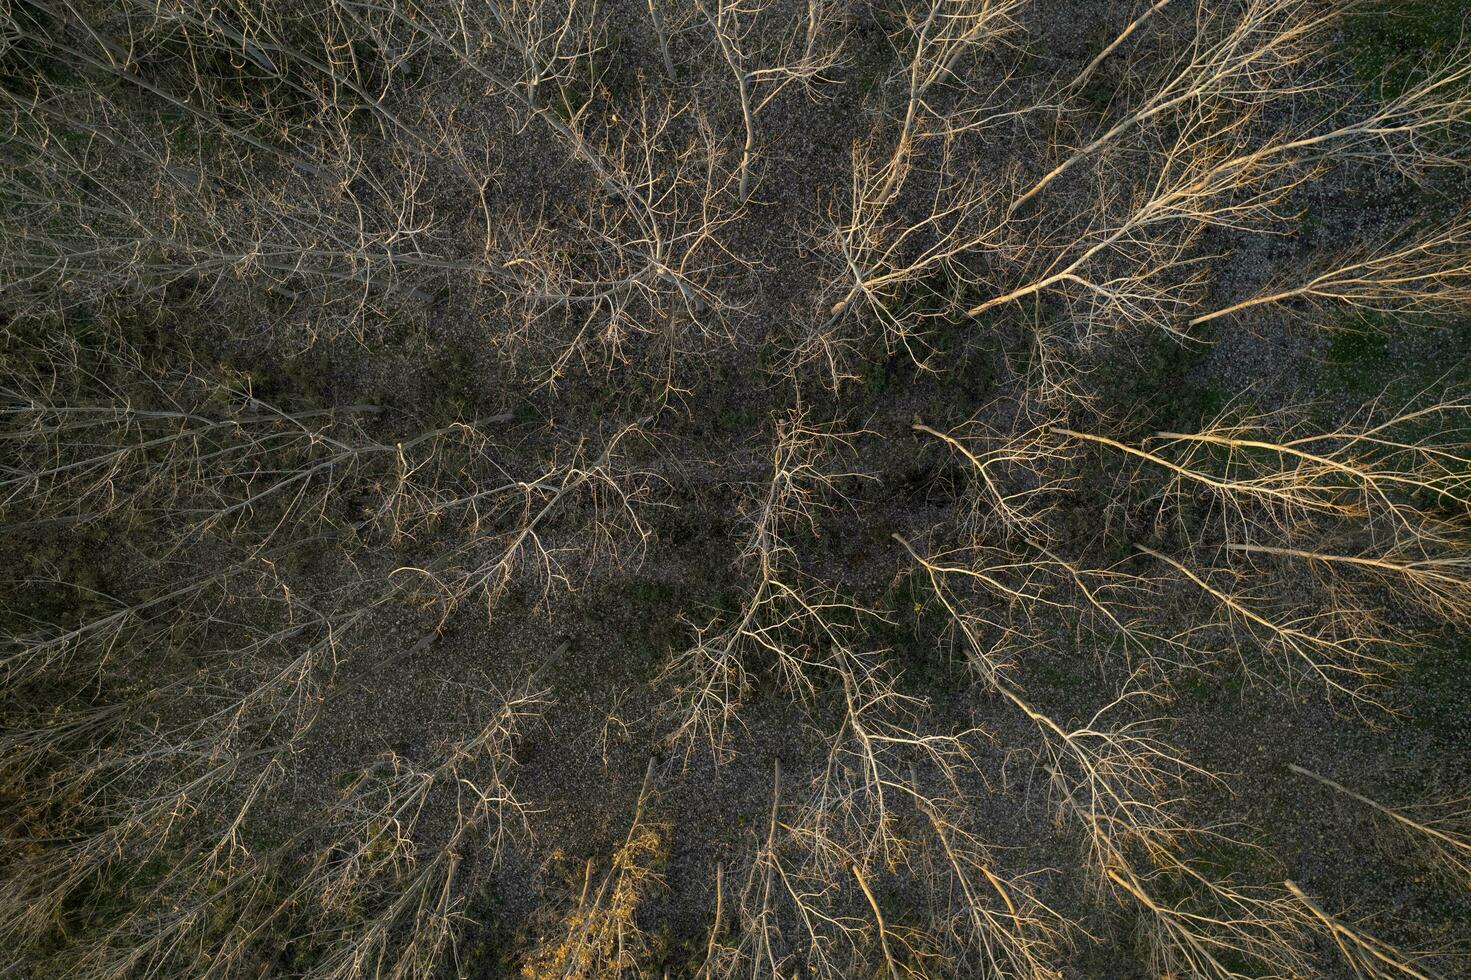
x: 1437, y: 827
x: 505, y: 528
x: 1367, y: 956
x: 389, y: 884
x: 798, y: 627
x: 1372, y: 503
x: 1246, y: 55
x: 804, y: 51
x: 885, y: 240
x: 1426, y: 271
x: 1114, y: 782
x: 600, y: 935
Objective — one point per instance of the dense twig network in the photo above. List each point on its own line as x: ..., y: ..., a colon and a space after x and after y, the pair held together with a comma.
x: 756, y: 387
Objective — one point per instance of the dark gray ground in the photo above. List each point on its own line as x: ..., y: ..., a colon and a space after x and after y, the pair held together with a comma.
x: 445, y: 348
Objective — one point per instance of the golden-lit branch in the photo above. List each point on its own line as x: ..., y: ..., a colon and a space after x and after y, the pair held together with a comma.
x: 806, y: 50
x: 601, y: 937
x: 1243, y: 55
x: 1442, y: 585
x: 986, y: 921
x: 1442, y: 829
x: 1141, y: 266
x: 1393, y: 487
x: 643, y: 261
x: 1425, y: 272
x: 1369, y: 958
x: 1131, y: 260
x: 101, y: 432
x: 1017, y: 483
x: 1328, y: 646
x: 1080, y: 81
x: 797, y: 627
x: 1116, y: 784
x: 1015, y: 492
x: 1401, y: 480
x: 854, y: 810
x: 508, y: 529
x: 878, y: 916
x: 227, y: 222
x: 191, y: 787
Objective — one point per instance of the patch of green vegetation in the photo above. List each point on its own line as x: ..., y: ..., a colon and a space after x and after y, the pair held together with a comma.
x: 910, y: 631
x: 1161, y: 386
x: 616, y: 73
x: 869, y: 71
x: 605, y: 72
x: 1309, y: 224
x: 949, y: 356
x: 1357, y: 358
x: 734, y: 417
x: 1098, y: 94
x: 1199, y: 403
x: 650, y: 611
x: 1364, y: 358
x: 28, y: 58
x: 449, y: 386
x: 1109, y: 83
x: 1150, y: 380
x: 734, y: 420
x: 294, y: 382
x: 1061, y: 677
x: 1391, y: 45
x: 1194, y: 685
x: 100, y: 900
x: 59, y: 582
x: 186, y: 135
